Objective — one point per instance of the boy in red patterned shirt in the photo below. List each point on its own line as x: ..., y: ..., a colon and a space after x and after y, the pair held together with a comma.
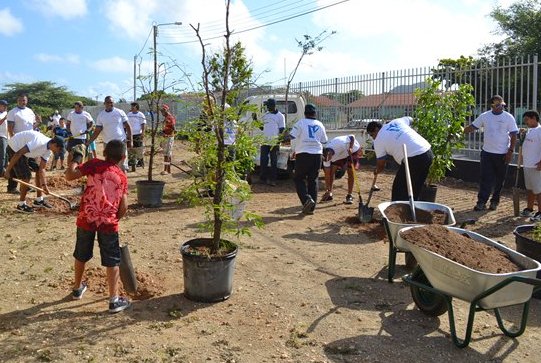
x: 103, y: 203
x: 169, y: 134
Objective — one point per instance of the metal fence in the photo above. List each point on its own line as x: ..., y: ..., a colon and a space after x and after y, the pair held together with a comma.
x: 350, y: 102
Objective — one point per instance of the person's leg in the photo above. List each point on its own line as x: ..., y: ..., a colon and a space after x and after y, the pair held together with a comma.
x: 351, y: 179
x: 500, y: 172
x: 264, y: 151
x: 313, y: 173
x: 487, y: 178
x: 3, y: 154
x: 419, y: 166
x: 110, y: 258
x: 400, y: 188
x: 299, y: 178
x: 82, y: 253
x: 274, y: 163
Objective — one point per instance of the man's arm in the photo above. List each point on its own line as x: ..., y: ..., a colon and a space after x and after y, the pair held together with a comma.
x: 380, y: 165
x: 11, y: 128
x: 470, y: 128
x: 95, y: 135
x: 129, y: 138
x: 72, y: 171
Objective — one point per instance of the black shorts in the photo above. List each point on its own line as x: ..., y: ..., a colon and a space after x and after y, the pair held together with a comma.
x: 74, y: 142
x: 108, y: 242
x: 23, y: 167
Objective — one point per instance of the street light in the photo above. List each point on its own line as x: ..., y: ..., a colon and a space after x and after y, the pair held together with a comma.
x: 155, y: 31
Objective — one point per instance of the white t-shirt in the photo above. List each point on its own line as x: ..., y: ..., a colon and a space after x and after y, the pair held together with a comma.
x: 531, y: 148
x: 230, y: 132
x: 497, y: 129
x: 136, y: 120
x: 393, y: 135
x: 112, y: 124
x: 78, y: 123
x: 22, y: 118
x: 309, y: 136
x: 272, y: 123
x: 340, y: 146
x: 34, y: 140
x: 3, y: 127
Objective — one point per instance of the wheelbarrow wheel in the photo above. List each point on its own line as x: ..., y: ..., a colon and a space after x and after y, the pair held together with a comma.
x: 429, y: 303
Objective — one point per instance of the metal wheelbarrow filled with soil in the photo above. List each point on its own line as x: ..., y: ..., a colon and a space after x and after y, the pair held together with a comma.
x: 392, y: 227
x: 437, y: 280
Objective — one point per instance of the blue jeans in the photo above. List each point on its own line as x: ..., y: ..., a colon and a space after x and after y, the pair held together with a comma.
x: 493, y: 170
x: 269, y: 173
x: 3, y: 153
x: 306, y: 172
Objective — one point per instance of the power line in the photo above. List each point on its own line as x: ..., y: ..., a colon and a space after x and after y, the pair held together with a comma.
x: 263, y: 25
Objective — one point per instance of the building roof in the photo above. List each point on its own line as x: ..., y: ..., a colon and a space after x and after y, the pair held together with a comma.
x: 385, y: 100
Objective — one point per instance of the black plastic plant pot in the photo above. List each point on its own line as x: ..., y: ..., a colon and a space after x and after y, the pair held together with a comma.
x: 207, y: 278
x: 150, y: 193
x: 528, y: 247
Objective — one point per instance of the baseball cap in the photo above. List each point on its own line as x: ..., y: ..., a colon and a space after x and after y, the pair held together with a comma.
x: 309, y: 109
x: 270, y: 102
x: 3, y: 102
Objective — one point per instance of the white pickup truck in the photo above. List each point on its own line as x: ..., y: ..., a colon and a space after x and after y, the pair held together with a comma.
x: 295, y: 111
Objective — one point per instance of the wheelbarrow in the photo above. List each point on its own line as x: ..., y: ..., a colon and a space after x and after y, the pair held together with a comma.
x: 392, y: 228
x: 437, y: 280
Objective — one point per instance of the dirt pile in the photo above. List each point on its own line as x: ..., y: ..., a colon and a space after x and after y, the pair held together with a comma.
x: 401, y: 213
x: 460, y: 248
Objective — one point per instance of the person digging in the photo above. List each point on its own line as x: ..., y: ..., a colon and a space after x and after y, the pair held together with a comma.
x: 341, y: 153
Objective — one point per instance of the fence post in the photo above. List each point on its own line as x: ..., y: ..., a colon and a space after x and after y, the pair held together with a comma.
x: 535, y: 80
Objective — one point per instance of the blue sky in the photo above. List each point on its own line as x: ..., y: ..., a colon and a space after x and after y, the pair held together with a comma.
x: 89, y: 45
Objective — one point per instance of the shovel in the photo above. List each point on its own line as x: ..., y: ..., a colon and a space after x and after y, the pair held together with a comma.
x: 127, y: 273
x: 516, y: 190
x: 408, y: 181
x: 73, y: 206
x: 365, y: 212
x: 357, y: 185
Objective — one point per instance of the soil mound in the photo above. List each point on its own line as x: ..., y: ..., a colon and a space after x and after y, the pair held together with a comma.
x: 461, y: 248
x: 401, y: 213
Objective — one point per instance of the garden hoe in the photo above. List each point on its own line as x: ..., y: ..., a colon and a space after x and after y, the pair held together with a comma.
x: 73, y: 206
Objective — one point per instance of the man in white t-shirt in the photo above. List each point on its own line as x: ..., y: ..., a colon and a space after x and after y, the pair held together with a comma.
x: 388, y: 141
x: 137, y: 122
x: 531, y: 159
x: 342, y: 152
x: 54, y: 120
x: 20, y: 118
x: 79, y: 124
x: 112, y: 123
x: 3, y: 134
x: 500, y: 136
x: 307, y: 138
x: 273, y: 126
x: 25, y: 145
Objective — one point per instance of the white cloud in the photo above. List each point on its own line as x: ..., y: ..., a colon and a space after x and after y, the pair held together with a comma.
x: 10, y: 77
x: 54, y: 58
x: 66, y: 9
x: 9, y: 25
x: 113, y: 65
x: 130, y: 17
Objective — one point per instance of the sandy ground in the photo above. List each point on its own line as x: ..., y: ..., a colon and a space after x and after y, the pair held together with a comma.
x: 306, y: 288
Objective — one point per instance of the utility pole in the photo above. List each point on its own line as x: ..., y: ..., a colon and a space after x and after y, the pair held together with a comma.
x: 134, y: 78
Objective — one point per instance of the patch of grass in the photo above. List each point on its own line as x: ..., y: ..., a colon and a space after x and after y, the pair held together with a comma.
x: 296, y: 338
x: 47, y: 269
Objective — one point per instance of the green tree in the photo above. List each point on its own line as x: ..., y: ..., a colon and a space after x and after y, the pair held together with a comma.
x: 439, y: 118
x: 521, y: 25
x: 44, y: 97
